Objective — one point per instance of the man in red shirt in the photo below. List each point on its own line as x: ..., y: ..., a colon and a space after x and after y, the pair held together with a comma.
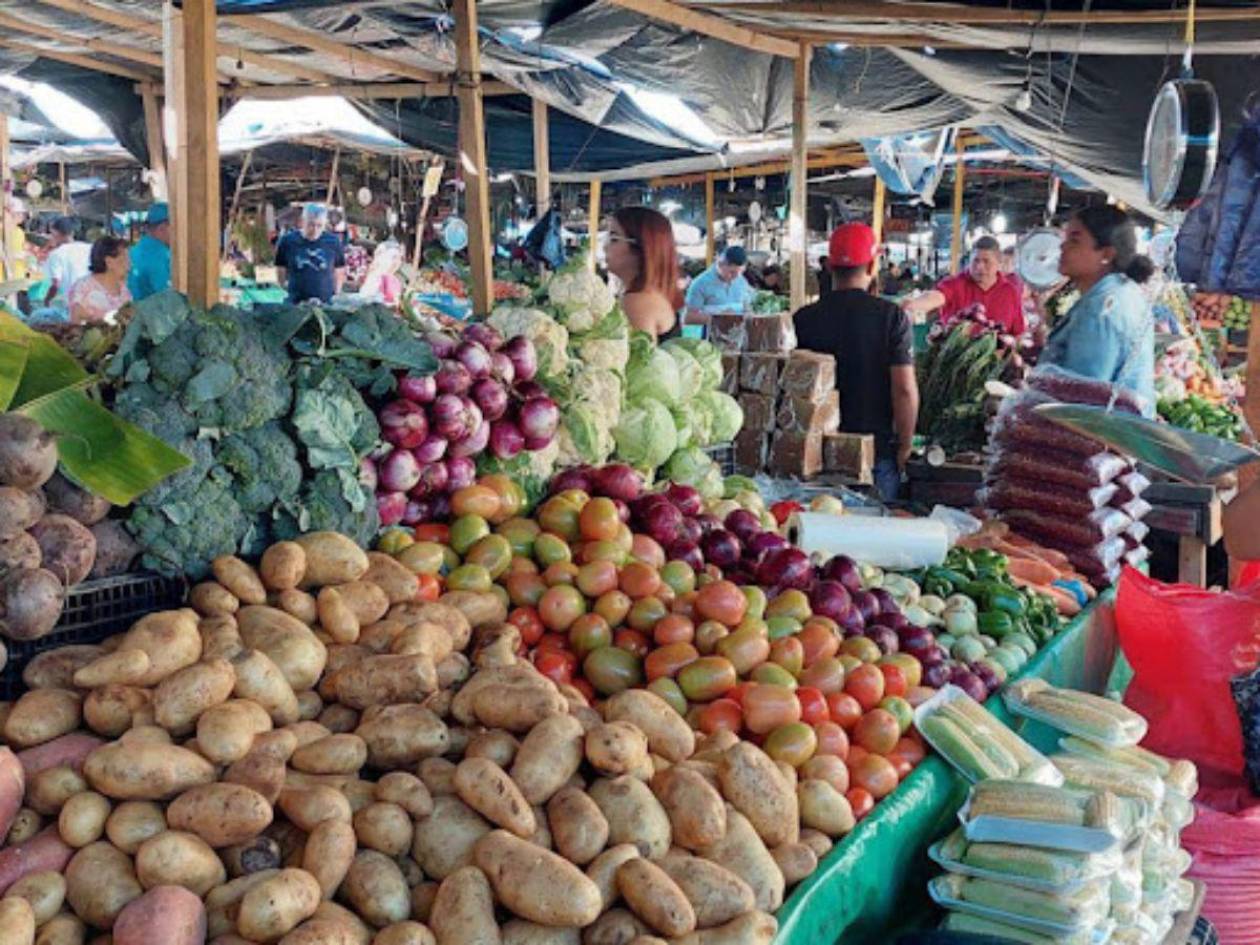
x: 983, y: 282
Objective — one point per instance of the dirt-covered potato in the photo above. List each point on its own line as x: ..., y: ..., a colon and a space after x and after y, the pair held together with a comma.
x: 145, y: 771
x: 548, y: 757
x: 17, y: 922
x: 307, y: 806
x: 259, y: 679
x: 796, y: 861
x: 392, y: 577
x: 100, y: 881
x: 336, y: 617
x: 67, y: 547
x: 579, y: 829
x: 603, y: 871
x: 385, y: 680
x: 19, y: 510
x: 176, y: 858
x: 752, y: 782
x: 655, y: 898
x: 299, y: 604
x: 220, y: 814
x: 331, y: 558
x: 124, y: 667
x: 277, y: 904
x: 438, y: 775
x: 212, y: 599
x: 668, y: 733
x: 182, y: 696
x: 407, y: 791
x: 744, y: 853
x: 41, y: 715
x: 171, y: 639
x: 283, y: 566
x: 536, y: 884
x: 487, y: 789
x: 133, y: 822
x: 383, y: 827
x: 716, y: 894
x: 226, y: 731
x: 633, y: 813
x: 19, y: 552
x: 287, y: 641
x: 252, y: 856
x: 374, y: 887
x: 240, y: 579
x: 46, y: 892
x: 482, y: 608
x: 329, y: 851
x: 444, y: 840
x: 500, y: 747
x: 55, y: 668
x: 463, y: 910
x: 697, y: 813
x: 30, y: 603
x: 82, y: 818
x: 616, y: 748
x: 70, y: 499
x: 331, y: 754
x: 116, y: 550
x: 48, y: 790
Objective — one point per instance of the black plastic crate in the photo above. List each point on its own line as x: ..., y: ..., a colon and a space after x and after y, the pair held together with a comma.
x: 724, y: 455
x: 94, y: 610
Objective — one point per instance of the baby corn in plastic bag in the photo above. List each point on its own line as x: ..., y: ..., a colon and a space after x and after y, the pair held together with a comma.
x: 1076, y: 713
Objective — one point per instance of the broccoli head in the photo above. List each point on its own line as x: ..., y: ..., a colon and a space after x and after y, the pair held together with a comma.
x: 190, y: 529
x: 264, y: 464
x: 332, y: 500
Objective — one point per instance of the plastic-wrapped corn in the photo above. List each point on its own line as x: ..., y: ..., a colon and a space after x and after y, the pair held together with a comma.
x: 977, y: 758
x: 1037, y: 802
x: 1180, y: 775
x: 974, y: 924
x: 1056, y: 870
x: 1126, y: 886
x: 979, y: 723
x: 1077, y: 713
x: 1120, y: 779
x: 1023, y: 907
x: 1039, y: 815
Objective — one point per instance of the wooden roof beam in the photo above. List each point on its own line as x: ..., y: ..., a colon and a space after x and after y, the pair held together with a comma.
x: 912, y: 12
x: 118, y: 50
x: 320, y: 43
x: 718, y: 27
x: 363, y: 91
x: 74, y: 59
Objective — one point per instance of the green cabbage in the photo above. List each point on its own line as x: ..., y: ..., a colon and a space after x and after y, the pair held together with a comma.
x: 646, y: 435
x: 701, y: 421
x: 653, y: 376
x: 706, y: 354
x: 682, y: 424
x: 710, y: 484
x: 688, y: 466
x: 726, y: 417
x: 690, y: 373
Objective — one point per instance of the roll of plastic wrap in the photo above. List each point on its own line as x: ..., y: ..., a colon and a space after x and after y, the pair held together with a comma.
x: 883, y: 542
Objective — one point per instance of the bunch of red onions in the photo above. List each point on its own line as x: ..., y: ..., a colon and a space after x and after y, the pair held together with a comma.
x: 483, y: 397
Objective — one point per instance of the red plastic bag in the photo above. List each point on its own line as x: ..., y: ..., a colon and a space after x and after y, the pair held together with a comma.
x: 1223, y: 841
x: 1185, y: 644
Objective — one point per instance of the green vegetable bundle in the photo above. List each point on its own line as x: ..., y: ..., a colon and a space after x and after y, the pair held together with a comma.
x: 952, y: 374
x: 1199, y: 415
x: 267, y: 405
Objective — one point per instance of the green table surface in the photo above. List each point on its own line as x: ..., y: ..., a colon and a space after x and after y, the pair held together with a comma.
x: 873, y: 884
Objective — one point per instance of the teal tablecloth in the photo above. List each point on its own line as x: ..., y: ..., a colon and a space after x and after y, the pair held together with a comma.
x: 874, y: 881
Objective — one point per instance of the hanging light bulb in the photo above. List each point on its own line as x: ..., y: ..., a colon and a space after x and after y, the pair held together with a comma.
x: 999, y: 222
x: 1023, y: 101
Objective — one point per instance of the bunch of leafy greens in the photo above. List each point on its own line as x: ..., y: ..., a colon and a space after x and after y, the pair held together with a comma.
x: 269, y: 407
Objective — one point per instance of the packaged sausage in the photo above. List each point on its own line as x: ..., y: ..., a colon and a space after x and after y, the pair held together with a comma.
x: 1097, y: 526
x: 1066, y: 469
x: 1053, y: 381
x: 1016, y: 492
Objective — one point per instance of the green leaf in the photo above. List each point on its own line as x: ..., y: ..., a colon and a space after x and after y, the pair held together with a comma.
x: 326, y: 425
x: 48, y: 367
x: 13, y: 355
x: 110, y: 457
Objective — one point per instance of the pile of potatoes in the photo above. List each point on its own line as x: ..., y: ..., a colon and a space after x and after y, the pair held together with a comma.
x: 309, y: 755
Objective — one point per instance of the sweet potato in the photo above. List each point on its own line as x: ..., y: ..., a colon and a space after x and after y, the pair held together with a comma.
x: 43, y: 852
x: 165, y: 915
x: 12, y: 788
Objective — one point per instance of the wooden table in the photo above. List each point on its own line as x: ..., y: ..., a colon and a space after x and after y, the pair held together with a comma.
x: 952, y: 483
x: 1193, y: 515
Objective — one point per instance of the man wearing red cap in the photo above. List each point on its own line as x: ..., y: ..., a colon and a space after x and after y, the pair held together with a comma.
x: 873, y: 346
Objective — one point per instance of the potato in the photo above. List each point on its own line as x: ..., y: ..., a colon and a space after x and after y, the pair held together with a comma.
x: 743, y: 853
x: 263, y: 769
x: 463, y: 912
x: 446, y: 616
x: 45, y: 892
x: 82, y: 819
x: 55, y: 668
x: 166, y: 915
x: 298, y: 604
x: 145, y: 772
x: 407, y: 791
x: 578, y: 827
x: 20, y: 508
x: 17, y: 922
x: 332, y: 754
x: 259, y: 679
x: 34, y: 599
x: 226, y: 731
x: 616, y: 748
x: 438, y: 775
x: 307, y: 732
x: 614, y: 927
x: 176, y: 858
x: 366, y: 600
x: 329, y: 851
x: 331, y: 558
x: 223, y: 902
x: 824, y: 808
x: 385, y: 680
x: 307, y: 806
x: 384, y: 827
x: 655, y: 898
x: 697, y: 813
x: 287, y: 641
x: 310, y: 705
x: 753, y: 784
x: 796, y: 861
x: 422, y: 896
x: 171, y: 639
x: 220, y: 814
x: 182, y: 696
x: 453, y: 670
x: 41, y: 715
x: 315, y: 931
x: 26, y: 824
x: 517, y: 708
x: 536, y: 884
x: 548, y: 756
x: 521, y: 674
x: 716, y: 894
x: 500, y: 747
x: 358, y: 792
x: 126, y: 667
x: 817, y: 841
x: 133, y: 822
x: 336, y: 616
x: 668, y: 733
x: 283, y: 566
x: 278, y: 904
x: 240, y: 579
x: 392, y: 577
x: 339, y: 719
x: 487, y: 789
x: 634, y: 814
x: 212, y: 599
x: 482, y: 608
x: 100, y: 882
x: 220, y: 637
x: 497, y: 645
x: 148, y: 733
x: 253, y: 856
x: 374, y: 887
x: 47, y: 791
x: 62, y: 929
x: 520, y: 932
x: 444, y: 840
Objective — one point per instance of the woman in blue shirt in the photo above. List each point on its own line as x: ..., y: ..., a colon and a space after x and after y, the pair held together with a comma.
x: 1109, y: 334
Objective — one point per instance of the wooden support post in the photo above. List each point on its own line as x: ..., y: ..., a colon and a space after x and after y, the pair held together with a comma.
x: 877, y: 209
x: 472, y: 147
x: 798, y: 228
x: 174, y: 138
x: 65, y: 188
x: 199, y: 150
x: 710, y: 237
x: 542, y: 159
x: 592, y: 221
x: 154, y: 139
x: 332, y: 177
x: 6, y: 188
x: 956, y: 235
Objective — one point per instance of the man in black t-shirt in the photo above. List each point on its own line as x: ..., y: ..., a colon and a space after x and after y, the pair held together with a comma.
x: 311, y: 260
x: 873, y: 345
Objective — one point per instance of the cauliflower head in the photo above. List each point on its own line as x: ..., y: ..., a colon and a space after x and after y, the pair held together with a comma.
x: 582, y: 298
x: 610, y: 353
x: 550, y: 338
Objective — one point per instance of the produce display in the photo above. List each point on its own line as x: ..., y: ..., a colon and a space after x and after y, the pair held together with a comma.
x: 1194, y: 394
x: 1229, y: 311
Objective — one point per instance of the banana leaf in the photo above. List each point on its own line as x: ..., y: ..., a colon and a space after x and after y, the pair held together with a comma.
x: 13, y: 356
x: 47, y: 368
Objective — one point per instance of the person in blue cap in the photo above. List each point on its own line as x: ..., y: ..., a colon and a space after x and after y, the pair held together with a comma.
x: 151, y: 256
x: 311, y: 259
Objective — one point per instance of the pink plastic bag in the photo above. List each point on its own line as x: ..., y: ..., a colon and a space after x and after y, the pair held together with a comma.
x: 1223, y: 840
x: 1185, y: 644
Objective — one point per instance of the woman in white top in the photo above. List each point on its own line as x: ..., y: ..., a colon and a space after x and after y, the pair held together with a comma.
x: 102, y: 292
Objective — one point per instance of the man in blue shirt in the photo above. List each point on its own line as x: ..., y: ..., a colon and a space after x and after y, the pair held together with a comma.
x: 151, y: 256
x: 721, y: 289
x: 311, y: 260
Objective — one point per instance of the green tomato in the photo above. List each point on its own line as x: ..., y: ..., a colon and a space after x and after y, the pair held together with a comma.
x: 680, y: 576
x: 551, y: 549
x: 520, y: 533
x: 466, y: 531
x: 773, y: 674
x: 493, y: 552
x: 756, y: 598
x: 782, y: 626
x: 469, y: 577
x: 611, y: 670
x: 671, y: 692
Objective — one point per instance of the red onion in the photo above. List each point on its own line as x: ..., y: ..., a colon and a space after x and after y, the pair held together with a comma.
x: 474, y: 357
x: 743, y: 524
x: 709, y: 523
x: 506, y: 439
x: 501, y: 367
x: 623, y: 511
x: 539, y: 418
x: 535, y: 443
x: 491, y: 397
x: 884, y: 637
x: 431, y: 450
x: 391, y: 506
x: 765, y: 542
x: 433, y: 479
x: 453, y: 378
x: 785, y: 568
x: 618, y: 481
x: 722, y: 548
x: 664, y: 523
x: 529, y: 390
x: 443, y: 345
x: 524, y: 357
x: 830, y: 599
x: 887, y: 603
x: 844, y: 569
x: 420, y: 390
x: 576, y: 477
x: 399, y: 471
x: 461, y: 472
x: 418, y: 512
x: 485, y: 335
x: 867, y: 605
x: 691, y: 530
x: 969, y: 683
x: 687, y: 498
x: 403, y: 423
x: 936, y: 675
x: 472, y: 417
x: 450, y: 420
x: 987, y: 675
x: 475, y: 443
x: 851, y: 622
x: 440, y: 507
x: 685, y: 551
x: 367, y: 474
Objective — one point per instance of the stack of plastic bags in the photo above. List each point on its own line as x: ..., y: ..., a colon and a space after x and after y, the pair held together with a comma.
x: 1062, y: 489
x: 1082, y: 847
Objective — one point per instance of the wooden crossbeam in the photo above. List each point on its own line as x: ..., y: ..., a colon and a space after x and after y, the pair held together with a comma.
x: 75, y: 59
x: 354, y: 55
x: 131, y: 53
x: 710, y: 25
x: 363, y: 91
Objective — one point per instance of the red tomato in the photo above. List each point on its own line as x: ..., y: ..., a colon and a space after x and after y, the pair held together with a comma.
x: 813, y: 705
x: 560, y: 606
x: 826, y: 675
x: 524, y: 589
x: 646, y: 549
x: 767, y: 707
x: 827, y: 768
x: 901, y: 764
x: 875, y: 774
x: 856, y: 754
x: 589, y: 632
x: 782, y: 511
x: 877, y: 731
x: 632, y: 641
x: 722, y: 601
x: 832, y: 740
x: 639, y: 579
x: 555, y: 665
x: 894, y: 680
x: 526, y: 620
x: 613, y: 607
x: 845, y: 710
x: 562, y: 572
x: 860, y: 800
x: 866, y: 685
x: 552, y: 641
x: 668, y: 660
x: 598, y: 520
x: 721, y: 715
x: 673, y: 628
x: 684, y: 604
x: 435, y: 532
x: 596, y: 578
x: 738, y: 692
x: 911, y: 748
x: 430, y: 587
x: 585, y: 688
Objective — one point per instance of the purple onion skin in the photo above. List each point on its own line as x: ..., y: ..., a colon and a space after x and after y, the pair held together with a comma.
x: 399, y: 471
x: 623, y: 511
x: 577, y: 477
x: 506, y: 439
x: 440, y: 507
x: 461, y: 472
x: 852, y: 622
x: 475, y: 358
x: 743, y: 524
x: 448, y: 417
x: 528, y: 390
x: 502, y: 368
x: 618, y: 481
x: 887, y: 603
x: 391, y: 506
x: 491, y: 397
x: 685, y: 551
x: 453, y: 378
x: 403, y: 423
x: 418, y: 512
x: 431, y: 450
x: 475, y: 443
x: 535, y: 443
x: 443, y: 345
x: 368, y: 477
x: 830, y: 599
x: 419, y: 390
x: 687, y: 498
x: 539, y: 417
x: 691, y: 530
x: 524, y: 357
x: 844, y: 569
x: 936, y: 675
x: 721, y: 547
x: 884, y: 637
x: 433, y: 479
x: 485, y: 335
x: 867, y: 605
